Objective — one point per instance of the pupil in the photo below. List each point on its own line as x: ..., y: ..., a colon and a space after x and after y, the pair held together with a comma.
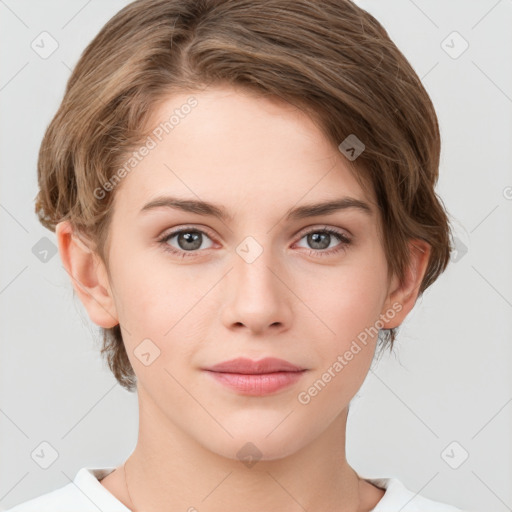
x: 315, y: 240
x: 191, y: 240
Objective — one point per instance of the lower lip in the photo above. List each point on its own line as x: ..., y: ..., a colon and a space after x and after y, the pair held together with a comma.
x: 257, y: 384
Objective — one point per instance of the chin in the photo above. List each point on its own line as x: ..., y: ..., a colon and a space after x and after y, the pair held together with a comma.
x: 251, y: 444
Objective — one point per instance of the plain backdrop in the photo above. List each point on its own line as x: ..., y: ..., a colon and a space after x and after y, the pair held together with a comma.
x: 437, y: 413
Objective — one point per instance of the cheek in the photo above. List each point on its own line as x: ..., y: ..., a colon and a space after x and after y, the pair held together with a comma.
x: 161, y: 302
x: 349, y: 301
x: 145, y: 301
x: 348, y: 310
x: 348, y: 306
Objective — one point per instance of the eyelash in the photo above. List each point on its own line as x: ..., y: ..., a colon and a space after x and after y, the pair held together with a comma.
x: 344, y: 242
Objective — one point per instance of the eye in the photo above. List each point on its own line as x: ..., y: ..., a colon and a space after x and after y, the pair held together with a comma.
x: 321, y: 239
x: 187, y: 241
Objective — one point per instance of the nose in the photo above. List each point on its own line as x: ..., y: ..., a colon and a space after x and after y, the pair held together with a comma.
x: 257, y: 297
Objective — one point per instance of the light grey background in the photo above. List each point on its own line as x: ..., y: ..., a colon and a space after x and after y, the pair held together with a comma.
x: 449, y: 380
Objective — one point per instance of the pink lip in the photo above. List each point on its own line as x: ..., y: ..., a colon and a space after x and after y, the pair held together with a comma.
x: 256, y: 377
x: 248, y: 366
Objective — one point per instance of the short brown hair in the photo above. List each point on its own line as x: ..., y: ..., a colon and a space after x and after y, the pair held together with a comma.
x: 331, y: 58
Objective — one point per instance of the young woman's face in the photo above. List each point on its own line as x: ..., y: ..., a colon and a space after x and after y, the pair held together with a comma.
x: 261, y: 282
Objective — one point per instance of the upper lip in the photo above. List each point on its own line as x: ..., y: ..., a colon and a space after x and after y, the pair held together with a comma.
x: 248, y: 366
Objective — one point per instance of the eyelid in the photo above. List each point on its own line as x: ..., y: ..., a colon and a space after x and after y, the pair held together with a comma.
x: 177, y: 229
x: 321, y: 227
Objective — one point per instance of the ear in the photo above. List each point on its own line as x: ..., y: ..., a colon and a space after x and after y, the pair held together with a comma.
x: 88, y: 276
x: 402, y: 297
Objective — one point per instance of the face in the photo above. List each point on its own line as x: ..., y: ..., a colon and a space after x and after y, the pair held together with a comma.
x: 193, y: 289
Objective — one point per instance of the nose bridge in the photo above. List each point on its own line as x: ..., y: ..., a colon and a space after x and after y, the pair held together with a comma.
x: 253, y: 261
x: 257, y: 298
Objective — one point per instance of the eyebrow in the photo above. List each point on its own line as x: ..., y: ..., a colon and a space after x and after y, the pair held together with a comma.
x: 209, y: 209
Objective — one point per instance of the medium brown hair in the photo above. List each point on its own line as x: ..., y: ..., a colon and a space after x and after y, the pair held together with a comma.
x: 332, y: 59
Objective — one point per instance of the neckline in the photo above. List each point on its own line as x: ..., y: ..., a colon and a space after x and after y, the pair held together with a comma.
x: 89, y: 476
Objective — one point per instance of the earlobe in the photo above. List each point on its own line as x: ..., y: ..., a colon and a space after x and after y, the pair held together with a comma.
x: 88, y: 276
x: 402, y: 296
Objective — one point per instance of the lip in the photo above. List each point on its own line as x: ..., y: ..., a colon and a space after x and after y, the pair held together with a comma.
x: 248, y: 366
x: 256, y: 378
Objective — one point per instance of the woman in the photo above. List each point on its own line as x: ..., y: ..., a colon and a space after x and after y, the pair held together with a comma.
x: 243, y: 197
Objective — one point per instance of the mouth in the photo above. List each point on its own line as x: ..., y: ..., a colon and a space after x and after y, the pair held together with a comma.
x: 256, y: 378
x: 248, y: 366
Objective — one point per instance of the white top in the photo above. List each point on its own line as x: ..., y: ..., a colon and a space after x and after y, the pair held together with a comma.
x: 86, y: 494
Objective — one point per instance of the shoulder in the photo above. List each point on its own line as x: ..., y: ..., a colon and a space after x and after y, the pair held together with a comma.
x: 398, y: 497
x: 84, y: 494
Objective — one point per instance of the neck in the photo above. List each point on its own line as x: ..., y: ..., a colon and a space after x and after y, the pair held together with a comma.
x: 169, y: 470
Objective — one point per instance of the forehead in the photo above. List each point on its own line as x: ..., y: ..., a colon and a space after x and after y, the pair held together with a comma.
x: 231, y: 146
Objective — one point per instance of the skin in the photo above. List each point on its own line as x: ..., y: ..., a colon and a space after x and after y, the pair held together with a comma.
x: 258, y: 158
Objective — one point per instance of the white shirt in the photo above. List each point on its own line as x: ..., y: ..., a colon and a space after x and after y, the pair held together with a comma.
x: 86, y: 494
